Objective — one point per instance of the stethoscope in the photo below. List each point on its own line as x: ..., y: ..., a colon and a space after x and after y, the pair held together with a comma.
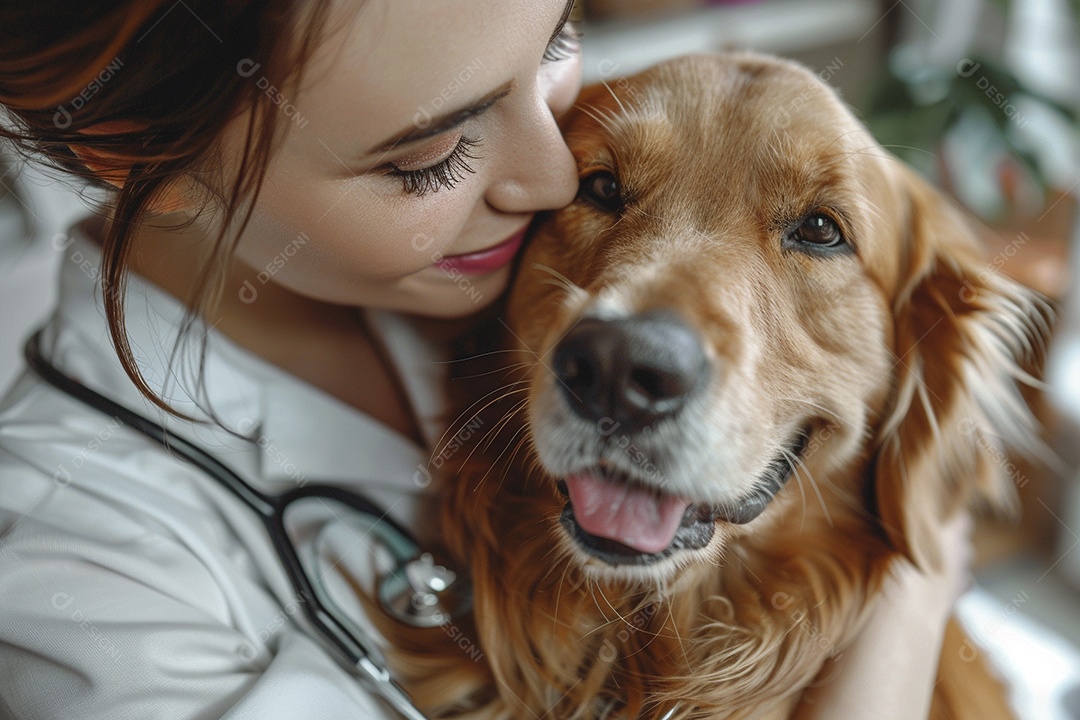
x: 417, y: 591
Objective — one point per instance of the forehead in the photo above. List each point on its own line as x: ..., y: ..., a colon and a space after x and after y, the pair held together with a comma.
x: 386, y: 63
x: 746, y: 126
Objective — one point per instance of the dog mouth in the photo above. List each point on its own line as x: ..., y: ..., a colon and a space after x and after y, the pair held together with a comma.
x: 621, y: 521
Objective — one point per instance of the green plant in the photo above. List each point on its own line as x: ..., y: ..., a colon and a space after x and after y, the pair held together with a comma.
x: 916, y: 105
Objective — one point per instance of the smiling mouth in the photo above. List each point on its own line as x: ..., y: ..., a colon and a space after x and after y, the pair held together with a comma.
x: 484, y: 261
x: 622, y: 522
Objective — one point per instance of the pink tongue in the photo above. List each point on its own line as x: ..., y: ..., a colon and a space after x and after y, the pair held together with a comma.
x: 634, y: 517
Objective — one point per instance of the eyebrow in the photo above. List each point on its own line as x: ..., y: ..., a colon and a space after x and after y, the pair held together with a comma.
x: 442, y: 123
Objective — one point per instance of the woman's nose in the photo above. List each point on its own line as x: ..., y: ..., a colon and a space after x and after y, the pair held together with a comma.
x: 560, y: 83
x: 540, y: 175
x: 539, y: 171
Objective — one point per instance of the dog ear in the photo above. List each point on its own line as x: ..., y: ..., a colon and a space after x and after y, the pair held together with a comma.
x: 964, y: 334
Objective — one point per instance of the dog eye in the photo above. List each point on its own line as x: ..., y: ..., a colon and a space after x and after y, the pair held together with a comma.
x: 602, y: 189
x: 818, y: 230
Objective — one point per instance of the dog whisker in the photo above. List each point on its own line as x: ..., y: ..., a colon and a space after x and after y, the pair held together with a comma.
x: 560, y: 280
x: 460, y: 423
x: 799, y: 467
x: 802, y: 495
x: 477, y: 356
x: 678, y: 636
x: 558, y: 588
x: 614, y: 96
x: 521, y: 441
x: 906, y: 147
x: 605, y: 121
x: 642, y: 212
x: 816, y: 406
x: 499, y: 457
x: 493, y: 432
x: 505, y: 369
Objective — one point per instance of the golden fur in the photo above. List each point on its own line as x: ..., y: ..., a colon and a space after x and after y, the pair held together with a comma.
x: 896, y: 357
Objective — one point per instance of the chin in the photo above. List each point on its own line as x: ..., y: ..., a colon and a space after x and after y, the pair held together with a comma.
x: 452, y: 297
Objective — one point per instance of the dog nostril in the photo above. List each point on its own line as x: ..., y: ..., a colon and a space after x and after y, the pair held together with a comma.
x: 648, y: 387
x: 642, y: 386
x: 575, y: 370
x: 632, y: 370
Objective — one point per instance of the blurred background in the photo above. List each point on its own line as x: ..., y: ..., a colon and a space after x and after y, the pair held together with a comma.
x: 981, y: 96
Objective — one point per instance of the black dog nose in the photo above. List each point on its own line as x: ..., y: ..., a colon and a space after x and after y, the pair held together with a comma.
x: 633, y: 370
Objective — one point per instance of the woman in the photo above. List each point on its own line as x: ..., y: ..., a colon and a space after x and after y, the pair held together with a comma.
x: 307, y: 201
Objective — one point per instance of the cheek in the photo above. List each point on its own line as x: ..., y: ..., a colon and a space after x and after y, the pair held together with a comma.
x: 849, y: 326
x: 824, y: 326
x: 349, y: 233
x: 835, y: 303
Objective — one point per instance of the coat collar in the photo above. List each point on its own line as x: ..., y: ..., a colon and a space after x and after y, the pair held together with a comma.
x: 285, y: 431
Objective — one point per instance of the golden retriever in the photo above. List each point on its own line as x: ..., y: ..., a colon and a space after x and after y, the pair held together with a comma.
x: 751, y: 366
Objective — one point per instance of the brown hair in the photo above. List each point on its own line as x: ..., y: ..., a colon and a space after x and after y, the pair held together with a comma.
x: 180, y: 73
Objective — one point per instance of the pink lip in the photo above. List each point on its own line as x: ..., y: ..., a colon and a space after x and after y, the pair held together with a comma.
x: 484, y: 261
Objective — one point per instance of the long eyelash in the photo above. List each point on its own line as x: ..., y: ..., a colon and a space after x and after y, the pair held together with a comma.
x: 445, y: 174
x: 565, y: 45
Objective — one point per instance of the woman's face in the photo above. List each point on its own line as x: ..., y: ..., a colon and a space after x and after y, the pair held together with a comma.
x: 419, y: 147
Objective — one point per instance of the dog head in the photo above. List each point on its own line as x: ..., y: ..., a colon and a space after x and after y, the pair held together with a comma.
x: 754, y: 315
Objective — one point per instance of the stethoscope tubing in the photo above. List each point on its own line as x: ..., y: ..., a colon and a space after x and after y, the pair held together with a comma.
x: 267, y: 507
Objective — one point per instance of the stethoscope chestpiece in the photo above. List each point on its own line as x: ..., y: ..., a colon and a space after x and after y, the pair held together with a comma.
x: 421, y: 593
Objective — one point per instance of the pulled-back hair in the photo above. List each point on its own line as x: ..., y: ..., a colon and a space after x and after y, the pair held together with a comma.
x: 178, y: 71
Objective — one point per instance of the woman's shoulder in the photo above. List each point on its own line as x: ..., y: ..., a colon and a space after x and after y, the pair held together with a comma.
x: 87, y: 476
x: 79, y: 486
x: 132, y: 582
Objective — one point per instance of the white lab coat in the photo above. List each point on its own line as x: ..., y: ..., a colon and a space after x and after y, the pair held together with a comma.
x: 132, y: 585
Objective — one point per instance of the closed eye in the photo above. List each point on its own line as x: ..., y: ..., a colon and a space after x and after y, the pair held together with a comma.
x: 444, y: 174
